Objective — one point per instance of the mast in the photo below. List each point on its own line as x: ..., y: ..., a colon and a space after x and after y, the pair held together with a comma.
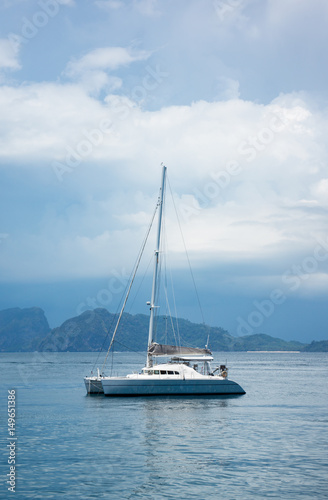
x: 156, y: 262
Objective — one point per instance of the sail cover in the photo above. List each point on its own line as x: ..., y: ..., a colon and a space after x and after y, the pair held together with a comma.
x: 170, y: 350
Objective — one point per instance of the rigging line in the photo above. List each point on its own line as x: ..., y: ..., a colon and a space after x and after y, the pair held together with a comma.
x: 164, y: 273
x: 167, y: 269
x: 175, y: 330
x: 157, y: 299
x: 167, y: 309
x: 112, y: 363
x: 116, y: 312
x: 184, y: 244
x: 140, y: 354
x: 176, y: 339
x: 131, y: 282
x: 107, y: 334
x: 113, y: 318
x: 181, y: 340
x: 175, y: 311
x: 141, y: 283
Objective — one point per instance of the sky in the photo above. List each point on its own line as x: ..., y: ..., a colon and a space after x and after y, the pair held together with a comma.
x: 230, y: 94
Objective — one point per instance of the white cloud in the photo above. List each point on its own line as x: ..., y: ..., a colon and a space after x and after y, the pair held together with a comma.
x: 9, y: 55
x: 41, y: 118
x: 106, y: 58
x: 93, y: 70
x: 240, y: 170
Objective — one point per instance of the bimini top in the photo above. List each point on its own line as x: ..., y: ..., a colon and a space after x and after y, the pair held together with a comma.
x: 171, y: 350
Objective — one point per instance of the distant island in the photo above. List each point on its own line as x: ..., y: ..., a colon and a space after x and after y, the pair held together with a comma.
x: 27, y: 330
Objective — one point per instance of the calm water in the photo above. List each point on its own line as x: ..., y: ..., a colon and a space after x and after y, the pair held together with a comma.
x: 269, y: 443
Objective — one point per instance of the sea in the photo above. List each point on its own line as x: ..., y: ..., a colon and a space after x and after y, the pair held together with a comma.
x: 271, y: 443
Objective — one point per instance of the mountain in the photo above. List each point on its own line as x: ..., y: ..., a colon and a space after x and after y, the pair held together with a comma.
x: 321, y: 346
x: 28, y: 330
x: 82, y: 333
x: 262, y: 342
x: 22, y: 329
x: 89, y: 332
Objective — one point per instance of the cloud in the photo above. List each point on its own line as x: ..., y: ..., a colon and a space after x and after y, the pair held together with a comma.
x: 92, y: 69
x: 42, y: 118
x: 9, y: 55
x: 249, y: 180
x: 106, y: 58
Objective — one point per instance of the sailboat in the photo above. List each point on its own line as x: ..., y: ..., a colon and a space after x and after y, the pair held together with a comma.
x: 187, y: 371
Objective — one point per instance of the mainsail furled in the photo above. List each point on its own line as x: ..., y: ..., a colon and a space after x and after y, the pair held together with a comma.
x: 171, y: 350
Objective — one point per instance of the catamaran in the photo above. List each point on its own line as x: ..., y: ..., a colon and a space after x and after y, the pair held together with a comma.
x: 186, y: 370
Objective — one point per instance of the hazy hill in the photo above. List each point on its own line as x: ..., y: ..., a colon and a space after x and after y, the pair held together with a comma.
x: 22, y: 329
x: 262, y: 342
x: 321, y: 346
x: 28, y: 330
x: 92, y: 330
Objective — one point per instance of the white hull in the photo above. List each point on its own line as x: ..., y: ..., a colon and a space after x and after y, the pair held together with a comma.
x: 93, y: 385
x: 125, y: 386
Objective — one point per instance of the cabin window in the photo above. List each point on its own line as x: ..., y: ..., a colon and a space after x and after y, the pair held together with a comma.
x: 163, y: 372
x: 150, y: 372
x: 156, y: 372
x: 170, y: 373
